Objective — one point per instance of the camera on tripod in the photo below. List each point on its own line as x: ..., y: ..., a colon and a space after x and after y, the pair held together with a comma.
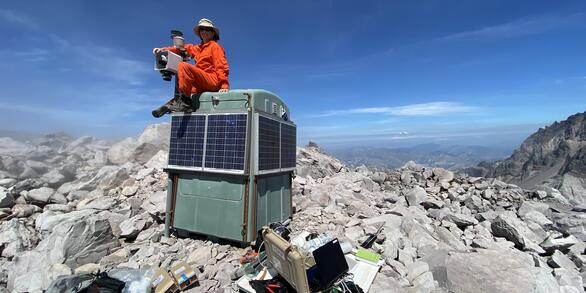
x: 167, y: 62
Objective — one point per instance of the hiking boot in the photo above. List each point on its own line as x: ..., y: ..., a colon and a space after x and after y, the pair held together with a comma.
x: 176, y: 104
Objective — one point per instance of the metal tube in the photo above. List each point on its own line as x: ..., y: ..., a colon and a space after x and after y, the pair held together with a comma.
x: 168, y: 205
x: 251, y: 209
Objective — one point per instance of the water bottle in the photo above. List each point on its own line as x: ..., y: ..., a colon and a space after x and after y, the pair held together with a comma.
x: 317, y: 242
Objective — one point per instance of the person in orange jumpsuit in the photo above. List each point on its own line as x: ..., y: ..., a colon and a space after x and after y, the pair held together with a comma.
x: 209, y: 74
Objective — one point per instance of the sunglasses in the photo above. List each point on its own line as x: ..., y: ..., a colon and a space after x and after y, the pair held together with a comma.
x: 206, y: 29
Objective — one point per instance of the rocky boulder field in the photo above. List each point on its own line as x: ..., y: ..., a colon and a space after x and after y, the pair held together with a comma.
x: 70, y: 206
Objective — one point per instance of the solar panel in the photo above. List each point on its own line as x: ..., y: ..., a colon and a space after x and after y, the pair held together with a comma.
x: 288, y: 144
x: 268, y: 144
x: 186, y: 144
x: 226, y: 141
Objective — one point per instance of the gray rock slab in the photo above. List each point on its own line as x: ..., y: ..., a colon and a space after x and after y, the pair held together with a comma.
x: 6, y: 198
x: 416, y: 269
x: 25, y: 210
x: 131, y: 227
x: 491, y: 271
x: 100, y: 203
x: 78, y: 243
x: 76, y: 195
x: 432, y: 203
x: 130, y: 190
x: 39, y: 196
x: 551, y: 243
x: 48, y: 223
x: 560, y: 260
x: 416, y: 195
x: 450, y: 239
x: 461, y: 220
x: 70, y: 244
x: 514, y: 230
x: 54, y: 178
x: 15, y: 238
x: 569, y: 277
x: 424, y: 283
x: 538, y: 218
x: 156, y: 202
x: 443, y: 175
x: 528, y: 206
x: 200, y: 256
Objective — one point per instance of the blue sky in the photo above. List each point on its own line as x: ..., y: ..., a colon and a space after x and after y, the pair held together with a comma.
x: 384, y: 73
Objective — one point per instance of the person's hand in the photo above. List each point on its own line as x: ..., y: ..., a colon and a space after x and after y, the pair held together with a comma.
x: 157, y: 50
x: 223, y: 90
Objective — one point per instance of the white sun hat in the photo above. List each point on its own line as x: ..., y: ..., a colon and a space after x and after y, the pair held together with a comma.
x: 207, y: 23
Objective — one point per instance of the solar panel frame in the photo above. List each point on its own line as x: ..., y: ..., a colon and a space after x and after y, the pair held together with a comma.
x: 241, y: 148
x: 268, y: 144
x: 288, y: 146
x: 186, y: 145
x: 226, y: 135
x: 257, y: 169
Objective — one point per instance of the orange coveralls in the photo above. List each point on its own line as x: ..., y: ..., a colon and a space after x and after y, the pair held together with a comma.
x: 210, y: 72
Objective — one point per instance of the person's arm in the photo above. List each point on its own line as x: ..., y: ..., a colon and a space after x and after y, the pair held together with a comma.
x: 172, y: 49
x: 188, y: 48
x: 221, y: 66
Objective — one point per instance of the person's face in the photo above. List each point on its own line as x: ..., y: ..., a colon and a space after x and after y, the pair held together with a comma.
x: 206, y: 33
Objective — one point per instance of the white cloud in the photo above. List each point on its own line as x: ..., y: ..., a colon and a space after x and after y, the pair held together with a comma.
x: 425, y: 109
x: 17, y: 19
x: 107, y: 62
x: 56, y: 113
x: 521, y: 27
x: 33, y: 55
x: 368, y: 136
x: 112, y: 64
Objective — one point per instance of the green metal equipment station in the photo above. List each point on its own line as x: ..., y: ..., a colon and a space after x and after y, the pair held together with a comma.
x: 230, y: 165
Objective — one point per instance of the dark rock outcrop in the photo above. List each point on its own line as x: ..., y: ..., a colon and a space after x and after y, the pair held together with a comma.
x: 554, y: 156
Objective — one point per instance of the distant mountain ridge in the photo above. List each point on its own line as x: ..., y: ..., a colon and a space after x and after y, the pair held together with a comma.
x: 553, y: 156
x: 430, y: 155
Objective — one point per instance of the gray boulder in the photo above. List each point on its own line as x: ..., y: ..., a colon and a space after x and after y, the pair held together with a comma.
x: 153, y: 139
x: 159, y: 160
x: 514, y: 230
x: 97, y: 203
x: 461, y: 220
x: 442, y: 175
x: 46, y: 224
x: 528, y: 206
x: 537, y: 218
x: 569, y: 278
x: 432, y: 203
x: 559, y: 260
x: 15, y: 238
x: 416, y: 196
x: 7, y: 182
x: 25, y: 210
x: 122, y: 151
x: 54, y: 178
x: 78, y: 243
x: 155, y: 203
x: 108, y: 177
x: 487, y: 271
x: 75, y: 195
x: 6, y: 198
x: 39, y: 196
x: 71, y: 244
x: 551, y: 243
x: 131, y: 227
